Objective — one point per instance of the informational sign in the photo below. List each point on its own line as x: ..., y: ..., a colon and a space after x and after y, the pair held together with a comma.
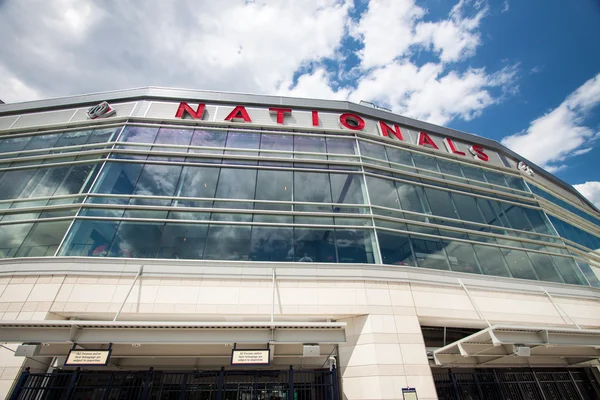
x: 250, y: 357
x: 78, y: 358
x: 409, y: 393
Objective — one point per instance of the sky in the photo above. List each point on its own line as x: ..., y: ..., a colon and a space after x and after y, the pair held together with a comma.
x: 524, y: 73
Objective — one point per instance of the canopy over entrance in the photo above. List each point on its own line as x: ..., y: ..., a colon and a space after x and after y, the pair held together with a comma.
x: 505, y: 345
x: 151, y: 332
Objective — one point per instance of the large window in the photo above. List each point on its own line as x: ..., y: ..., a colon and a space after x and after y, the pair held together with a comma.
x: 210, y: 198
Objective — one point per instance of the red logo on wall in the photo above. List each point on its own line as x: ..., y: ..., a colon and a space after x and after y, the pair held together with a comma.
x: 347, y: 121
x: 102, y: 110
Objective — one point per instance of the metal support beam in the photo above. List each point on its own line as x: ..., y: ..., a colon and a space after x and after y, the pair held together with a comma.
x: 473, y: 303
x: 273, y: 297
x: 559, y: 309
x: 128, y: 292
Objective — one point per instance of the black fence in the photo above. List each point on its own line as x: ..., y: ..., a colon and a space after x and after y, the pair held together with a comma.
x: 321, y: 384
x: 516, y: 384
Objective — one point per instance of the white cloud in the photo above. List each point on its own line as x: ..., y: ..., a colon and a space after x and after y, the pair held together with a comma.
x: 87, y: 46
x: 454, y: 38
x: 386, y: 30
x: 314, y: 85
x: 13, y: 89
x: 389, y: 28
x: 505, y: 7
x: 256, y: 47
x: 432, y: 94
x: 561, y: 133
x: 591, y: 190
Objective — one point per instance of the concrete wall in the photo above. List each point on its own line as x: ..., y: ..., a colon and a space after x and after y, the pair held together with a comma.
x: 384, y: 350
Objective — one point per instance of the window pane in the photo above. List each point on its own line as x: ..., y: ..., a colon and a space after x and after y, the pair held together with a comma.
x: 426, y: 163
x: 118, y: 178
x: 274, y: 142
x: 451, y: 170
x: 314, y: 187
x: 489, y: 215
x: 462, y: 257
x: 382, y: 192
x: 495, y: 178
x: 354, y: 246
x: 341, y: 146
x: 240, y: 140
x: 89, y: 238
x: 400, y: 156
x: 158, y: 180
x: 314, y: 245
x: 272, y: 244
x: 274, y: 185
x: 43, y: 141
x: 519, y: 264
x: 474, y: 175
x: 136, y: 240
x: 569, y: 270
x: 544, y: 267
x: 515, y: 182
x: 11, y: 238
x: 74, y: 180
x: 467, y: 208
x: 491, y: 260
x: 73, y: 138
x: 312, y: 144
x: 539, y: 221
x: 185, y: 241
x: 139, y: 134
x: 440, y: 203
x: 52, y: 177
x: 102, y: 135
x: 347, y: 188
x: 43, y: 239
x: 198, y: 182
x: 208, y: 138
x: 14, y: 144
x: 395, y: 248
x: 227, y: 242
x: 430, y: 253
x: 375, y: 151
x: 13, y: 182
x: 173, y: 136
x: 411, y: 197
x: 517, y: 217
x: 236, y: 184
x: 592, y: 275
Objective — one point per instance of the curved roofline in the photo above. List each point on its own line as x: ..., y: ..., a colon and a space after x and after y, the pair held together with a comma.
x: 180, y: 94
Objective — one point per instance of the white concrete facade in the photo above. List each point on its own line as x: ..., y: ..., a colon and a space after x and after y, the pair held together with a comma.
x: 384, y: 351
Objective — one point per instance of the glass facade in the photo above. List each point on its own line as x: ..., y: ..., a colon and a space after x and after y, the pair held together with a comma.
x: 151, y: 191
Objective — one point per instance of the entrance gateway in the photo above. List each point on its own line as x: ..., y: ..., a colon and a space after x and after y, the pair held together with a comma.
x: 178, y: 360
x: 321, y: 384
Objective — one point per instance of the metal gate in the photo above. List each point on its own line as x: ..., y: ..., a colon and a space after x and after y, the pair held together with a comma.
x: 320, y: 384
x: 516, y: 384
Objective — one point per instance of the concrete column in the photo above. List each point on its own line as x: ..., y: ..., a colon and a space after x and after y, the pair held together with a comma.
x: 385, y: 351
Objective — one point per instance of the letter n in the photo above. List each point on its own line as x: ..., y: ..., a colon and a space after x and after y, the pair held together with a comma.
x: 184, y: 108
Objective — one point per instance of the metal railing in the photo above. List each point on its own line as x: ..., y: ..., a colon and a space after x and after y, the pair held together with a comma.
x: 517, y: 384
x: 320, y: 384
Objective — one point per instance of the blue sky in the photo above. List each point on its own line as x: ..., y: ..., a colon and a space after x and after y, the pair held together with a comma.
x: 526, y: 73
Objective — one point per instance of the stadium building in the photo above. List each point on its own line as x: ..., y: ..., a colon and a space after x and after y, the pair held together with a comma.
x: 183, y: 244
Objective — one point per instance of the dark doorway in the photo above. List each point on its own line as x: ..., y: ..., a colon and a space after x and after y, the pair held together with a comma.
x: 516, y: 384
x: 319, y: 384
